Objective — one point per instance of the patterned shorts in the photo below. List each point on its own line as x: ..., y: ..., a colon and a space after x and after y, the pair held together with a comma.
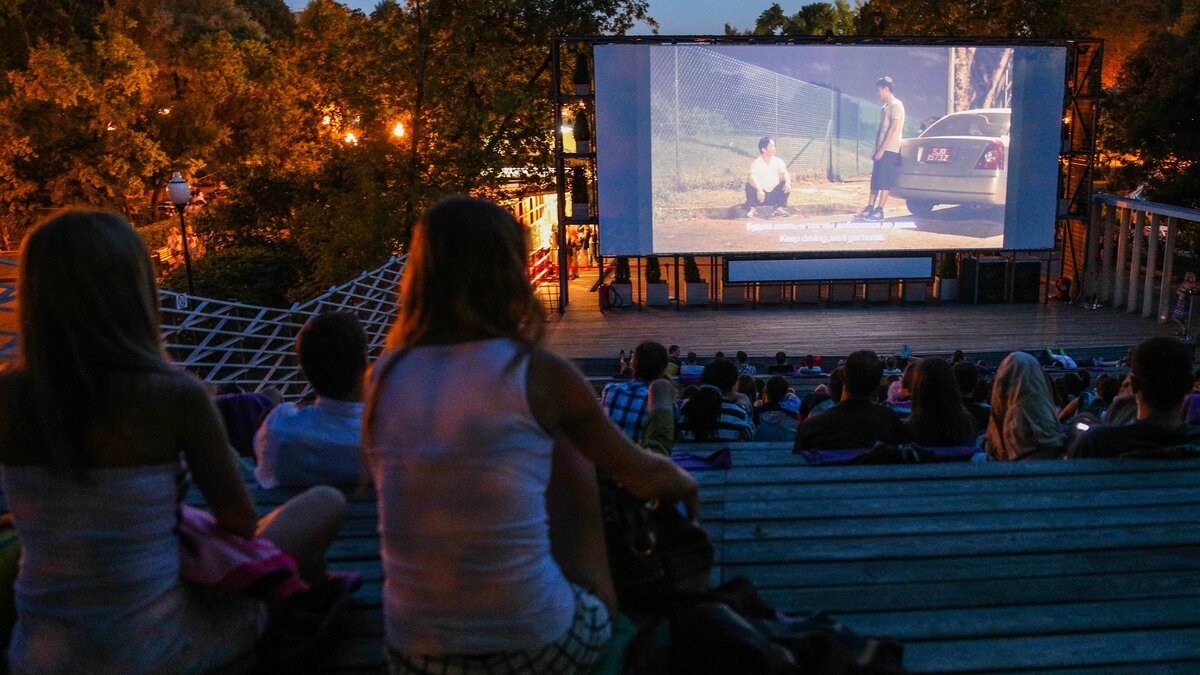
x: 576, y: 652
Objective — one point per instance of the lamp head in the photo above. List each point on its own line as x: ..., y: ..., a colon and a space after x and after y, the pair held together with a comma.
x: 178, y: 190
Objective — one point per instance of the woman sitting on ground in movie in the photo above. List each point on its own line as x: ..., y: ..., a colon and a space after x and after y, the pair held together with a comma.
x: 481, y: 445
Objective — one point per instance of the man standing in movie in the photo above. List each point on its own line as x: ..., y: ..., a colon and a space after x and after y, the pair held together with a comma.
x: 886, y: 168
x: 768, y: 183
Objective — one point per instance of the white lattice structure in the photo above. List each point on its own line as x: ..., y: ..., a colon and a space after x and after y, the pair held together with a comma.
x: 254, y: 347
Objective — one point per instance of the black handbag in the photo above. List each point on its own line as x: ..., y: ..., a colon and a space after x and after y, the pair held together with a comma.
x: 655, y: 553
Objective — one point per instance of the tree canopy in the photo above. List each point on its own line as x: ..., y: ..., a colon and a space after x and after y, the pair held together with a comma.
x: 333, y: 130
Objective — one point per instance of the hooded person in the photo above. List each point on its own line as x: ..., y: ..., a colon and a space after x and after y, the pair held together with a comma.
x: 1024, y: 423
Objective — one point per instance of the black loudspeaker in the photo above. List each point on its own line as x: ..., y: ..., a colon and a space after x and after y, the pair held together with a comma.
x: 1025, y: 279
x: 981, y: 281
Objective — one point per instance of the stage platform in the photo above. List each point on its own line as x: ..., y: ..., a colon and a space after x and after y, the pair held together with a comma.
x: 583, y: 331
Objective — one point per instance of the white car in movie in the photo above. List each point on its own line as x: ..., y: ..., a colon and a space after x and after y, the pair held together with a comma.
x: 961, y: 159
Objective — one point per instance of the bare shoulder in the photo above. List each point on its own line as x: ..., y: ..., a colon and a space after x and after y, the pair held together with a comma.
x: 174, y: 391
x: 553, y: 387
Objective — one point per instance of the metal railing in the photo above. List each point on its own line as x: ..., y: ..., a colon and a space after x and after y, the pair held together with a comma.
x: 1126, y: 240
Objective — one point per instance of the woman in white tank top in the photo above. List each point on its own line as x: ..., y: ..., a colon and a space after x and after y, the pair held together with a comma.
x: 95, y: 423
x: 483, y: 448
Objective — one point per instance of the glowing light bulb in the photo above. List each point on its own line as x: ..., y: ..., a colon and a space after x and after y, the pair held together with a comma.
x: 398, y: 130
x: 351, y: 138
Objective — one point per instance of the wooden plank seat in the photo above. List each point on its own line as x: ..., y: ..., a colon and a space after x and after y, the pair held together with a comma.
x: 1081, y: 566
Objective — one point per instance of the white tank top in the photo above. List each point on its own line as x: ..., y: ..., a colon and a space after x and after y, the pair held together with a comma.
x: 461, y: 469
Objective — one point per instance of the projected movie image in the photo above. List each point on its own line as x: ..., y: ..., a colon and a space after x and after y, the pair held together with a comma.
x: 820, y: 148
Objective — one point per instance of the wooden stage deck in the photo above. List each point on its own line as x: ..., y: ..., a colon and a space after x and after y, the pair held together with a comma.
x: 1080, y: 566
x: 583, y: 331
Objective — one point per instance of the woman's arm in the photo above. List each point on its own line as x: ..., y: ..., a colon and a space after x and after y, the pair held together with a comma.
x: 204, y: 444
x: 564, y: 405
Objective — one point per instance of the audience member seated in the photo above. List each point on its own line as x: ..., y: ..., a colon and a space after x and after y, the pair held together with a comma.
x: 1024, y: 423
x: 98, y: 431
x: 857, y: 421
x: 743, y: 367
x: 317, y: 442
x: 814, y: 404
x: 966, y: 376
x: 781, y: 366
x: 673, y: 361
x: 690, y: 371
x: 900, y: 391
x: 811, y: 366
x: 477, y: 438
x: 243, y: 413
x: 1161, y: 376
x: 1083, y: 402
x: 747, y: 390
x: 715, y: 413
x: 938, y: 417
x: 626, y: 402
x: 1123, y: 408
x: 774, y: 422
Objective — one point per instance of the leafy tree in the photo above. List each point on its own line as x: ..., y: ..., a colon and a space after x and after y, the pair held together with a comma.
x: 818, y: 18
x: 255, y: 275
x: 982, y: 18
x: 1151, y: 118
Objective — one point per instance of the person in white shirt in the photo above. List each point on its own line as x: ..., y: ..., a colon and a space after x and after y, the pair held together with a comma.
x: 886, y: 168
x: 769, y: 182
x: 318, y: 442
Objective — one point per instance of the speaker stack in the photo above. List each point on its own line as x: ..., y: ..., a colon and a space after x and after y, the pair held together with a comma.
x: 981, y: 281
x: 989, y: 281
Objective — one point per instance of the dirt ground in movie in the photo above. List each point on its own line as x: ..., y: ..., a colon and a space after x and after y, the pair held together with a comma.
x: 823, y: 219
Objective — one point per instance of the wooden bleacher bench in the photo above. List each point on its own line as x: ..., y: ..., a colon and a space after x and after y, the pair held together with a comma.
x: 1038, y: 566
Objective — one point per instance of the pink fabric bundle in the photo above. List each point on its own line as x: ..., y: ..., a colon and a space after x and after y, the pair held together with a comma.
x: 212, y: 557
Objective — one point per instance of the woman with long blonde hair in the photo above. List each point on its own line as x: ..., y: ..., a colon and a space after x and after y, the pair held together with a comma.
x: 97, y: 431
x: 483, y: 446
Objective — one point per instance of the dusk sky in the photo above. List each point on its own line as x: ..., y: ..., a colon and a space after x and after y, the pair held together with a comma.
x: 675, y: 17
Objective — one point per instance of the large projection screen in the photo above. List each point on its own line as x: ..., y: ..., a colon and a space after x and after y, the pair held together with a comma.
x: 973, y: 165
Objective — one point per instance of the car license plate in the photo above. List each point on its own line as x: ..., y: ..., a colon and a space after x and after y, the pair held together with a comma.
x: 937, y: 155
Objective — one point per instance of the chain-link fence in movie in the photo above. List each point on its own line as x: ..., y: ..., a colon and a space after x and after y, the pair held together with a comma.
x: 709, y: 110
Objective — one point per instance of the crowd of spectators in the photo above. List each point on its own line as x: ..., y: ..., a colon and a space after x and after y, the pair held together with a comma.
x: 1029, y: 407
x: 474, y: 436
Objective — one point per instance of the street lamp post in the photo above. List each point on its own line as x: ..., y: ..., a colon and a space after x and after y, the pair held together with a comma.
x: 180, y: 193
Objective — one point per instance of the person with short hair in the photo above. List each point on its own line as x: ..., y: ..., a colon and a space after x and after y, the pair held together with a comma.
x: 625, y: 403
x: 743, y: 365
x: 715, y: 412
x: 317, y: 442
x: 781, y: 366
x: 886, y: 167
x: 775, y: 422
x: 769, y: 181
x: 1160, y: 375
x: 690, y: 371
x: 857, y: 421
x: 673, y: 361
